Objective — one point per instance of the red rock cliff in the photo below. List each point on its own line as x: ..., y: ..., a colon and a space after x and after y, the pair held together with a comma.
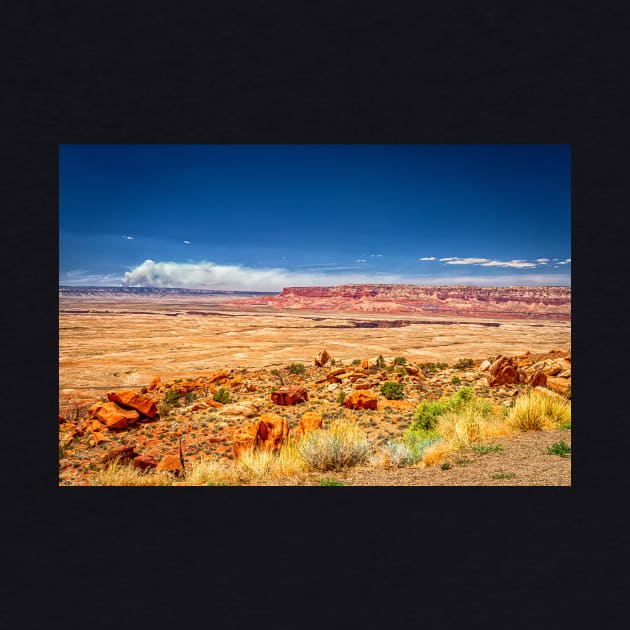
x: 542, y: 302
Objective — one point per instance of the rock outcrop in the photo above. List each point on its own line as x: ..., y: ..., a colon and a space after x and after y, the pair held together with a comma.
x: 309, y: 421
x: 542, y: 302
x: 113, y: 416
x: 504, y: 371
x: 267, y: 432
x: 361, y: 399
x: 289, y: 395
x: 142, y: 404
x: 321, y: 359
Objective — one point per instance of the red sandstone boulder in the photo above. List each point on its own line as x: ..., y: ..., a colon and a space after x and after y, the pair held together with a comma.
x: 123, y: 453
x: 272, y: 431
x: 308, y: 422
x: 244, y: 438
x: 504, y: 371
x: 155, y: 384
x: 113, y: 416
x: 322, y: 358
x: 538, y: 378
x: 171, y: 464
x: 140, y: 403
x: 143, y: 462
x: 289, y: 395
x: 361, y: 400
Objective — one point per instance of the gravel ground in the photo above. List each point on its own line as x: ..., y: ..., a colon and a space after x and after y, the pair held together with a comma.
x: 522, y: 461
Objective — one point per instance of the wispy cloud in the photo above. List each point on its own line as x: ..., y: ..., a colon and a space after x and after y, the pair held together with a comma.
x: 466, y: 261
x: 360, y: 260
x: 542, y: 261
x: 129, y: 238
x: 187, y: 242
x: 514, y: 264
x: 428, y: 258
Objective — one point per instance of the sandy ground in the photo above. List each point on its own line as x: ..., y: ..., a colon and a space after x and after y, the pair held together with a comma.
x: 119, y: 343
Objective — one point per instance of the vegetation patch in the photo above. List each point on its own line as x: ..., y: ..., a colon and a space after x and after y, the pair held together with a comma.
x: 222, y: 395
x: 296, y: 368
x: 330, y: 481
x: 482, y: 449
x: 392, y: 390
x: 538, y: 411
x: 503, y: 476
x: 559, y: 448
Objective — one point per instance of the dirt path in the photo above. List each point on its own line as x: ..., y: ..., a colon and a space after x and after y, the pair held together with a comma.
x: 522, y: 461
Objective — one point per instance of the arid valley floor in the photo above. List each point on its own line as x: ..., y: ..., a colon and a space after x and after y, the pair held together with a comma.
x: 196, y: 346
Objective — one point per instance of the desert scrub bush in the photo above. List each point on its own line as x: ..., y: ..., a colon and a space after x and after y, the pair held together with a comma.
x: 559, y: 448
x: 400, y: 361
x: 122, y: 474
x: 381, y: 361
x: 296, y: 368
x: 410, y: 449
x: 189, y: 397
x: 342, y: 444
x: 464, y: 364
x: 256, y: 464
x: 482, y: 449
x: 330, y: 481
x: 392, y: 390
x: 538, y: 411
x: 427, y: 412
x: 222, y: 395
x: 341, y: 397
x: 476, y: 421
x: 209, y: 472
x: 456, y: 380
x: 356, y: 361
x: 503, y: 476
x: 171, y: 397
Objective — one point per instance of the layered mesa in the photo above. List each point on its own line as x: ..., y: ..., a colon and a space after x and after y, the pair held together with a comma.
x: 541, y: 302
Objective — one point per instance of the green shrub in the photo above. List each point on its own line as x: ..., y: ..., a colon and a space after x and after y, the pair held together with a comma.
x: 456, y: 380
x: 341, y: 397
x: 171, y: 397
x: 410, y: 449
x: 296, y: 368
x: 482, y: 449
x: 504, y: 476
x: 381, y: 361
x: 559, y: 448
x: 464, y: 364
x: 222, y: 395
x: 392, y: 390
x: 190, y: 397
x: 445, y: 466
x: 330, y: 481
x: 356, y: 361
x: 400, y: 361
x: 428, y: 411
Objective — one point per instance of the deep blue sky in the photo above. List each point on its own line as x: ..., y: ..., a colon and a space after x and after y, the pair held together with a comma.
x: 260, y: 217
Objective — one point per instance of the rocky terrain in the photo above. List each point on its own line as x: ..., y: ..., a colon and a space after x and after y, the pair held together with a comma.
x: 520, y: 302
x: 167, y: 425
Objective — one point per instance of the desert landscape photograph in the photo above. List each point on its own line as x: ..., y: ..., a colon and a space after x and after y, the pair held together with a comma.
x: 314, y: 315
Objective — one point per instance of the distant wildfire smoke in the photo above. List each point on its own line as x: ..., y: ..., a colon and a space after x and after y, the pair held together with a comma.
x: 208, y: 275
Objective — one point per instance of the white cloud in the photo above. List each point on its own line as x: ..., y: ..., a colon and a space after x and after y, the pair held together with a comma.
x: 234, y: 277
x: 465, y: 261
x: 563, y: 262
x: 187, y: 242
x: 428, y: 258
x: 444, y: 259
x: 542, y: 261
x: 567, y: 260
x: 360, y: 260
x: 514, y: 264
x: 129, y: 238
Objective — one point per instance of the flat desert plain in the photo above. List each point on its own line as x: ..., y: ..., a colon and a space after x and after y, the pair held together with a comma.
x: 109, y: 344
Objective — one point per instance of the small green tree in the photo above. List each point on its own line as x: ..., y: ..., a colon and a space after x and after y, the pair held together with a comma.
x: 296, y: 368
x: 400, y: 361
x: 222, y: 395
x: 392, y: 390
x: 381, y: 361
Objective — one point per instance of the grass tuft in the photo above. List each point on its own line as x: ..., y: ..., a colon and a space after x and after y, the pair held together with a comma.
x: 559, y: 448
x: 538, y: 411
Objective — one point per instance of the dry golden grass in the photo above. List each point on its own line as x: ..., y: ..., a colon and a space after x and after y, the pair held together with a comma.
x: 260, y: 464
x: 342, y: 444
x: 537, y: 410
x: 209, y: 472
x: 119, y: 474
x: 435, y: 453
x: 469, y: 426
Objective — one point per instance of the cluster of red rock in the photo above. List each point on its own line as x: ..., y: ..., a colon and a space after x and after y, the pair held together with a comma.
x: 554, y: 373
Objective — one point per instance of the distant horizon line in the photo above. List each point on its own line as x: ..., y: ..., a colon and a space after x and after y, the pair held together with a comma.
x: 320, y: 286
